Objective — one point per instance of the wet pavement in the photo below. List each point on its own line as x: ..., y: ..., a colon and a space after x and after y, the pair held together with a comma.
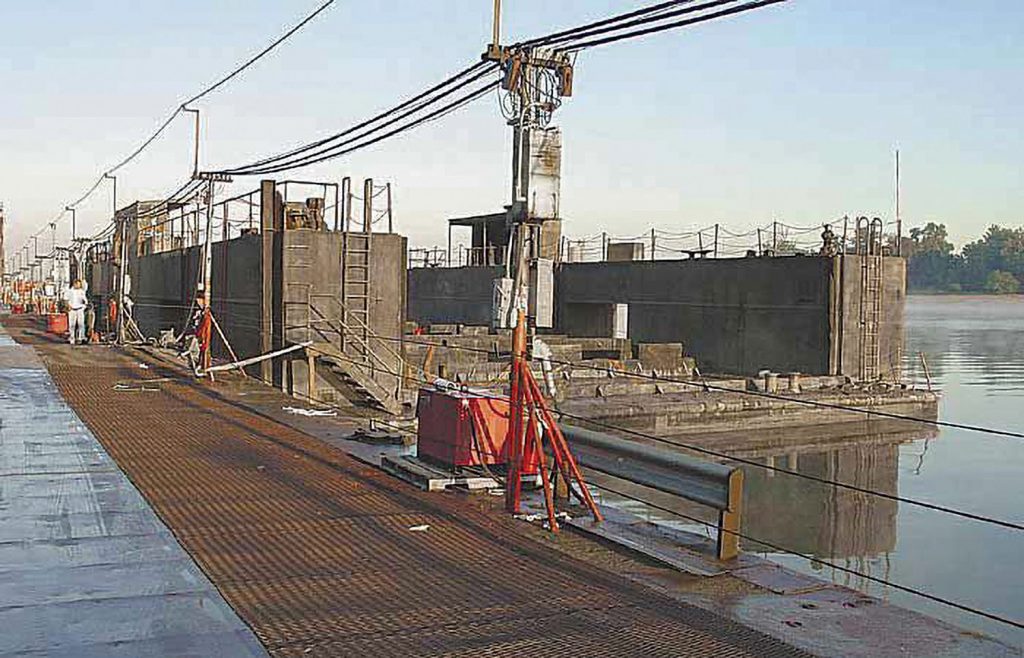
x: 86, y: 567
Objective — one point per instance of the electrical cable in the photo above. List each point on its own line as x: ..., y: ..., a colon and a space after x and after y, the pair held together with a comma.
x: 550, y: 38
x: 781, y: 549
x: 327, y: 148
x: 805, y: 476
x: 774, y: 396
x: 204, y: 92
x: 258, y: 56
x: 568, y: 41
x: 431, y: 116
x: 755, y: 4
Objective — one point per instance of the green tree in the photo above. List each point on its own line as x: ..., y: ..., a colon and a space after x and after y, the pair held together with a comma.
x: 1001, y: 283
x: 931, y: 264
x: 930, y: 238
x: 1000, y: 249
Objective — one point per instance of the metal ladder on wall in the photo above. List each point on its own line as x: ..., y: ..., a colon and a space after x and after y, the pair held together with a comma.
x: 357, y: 365
x: 355, y: 295
x: 869, y: 248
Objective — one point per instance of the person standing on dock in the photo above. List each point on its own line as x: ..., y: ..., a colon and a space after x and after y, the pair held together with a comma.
x: 77, y: 301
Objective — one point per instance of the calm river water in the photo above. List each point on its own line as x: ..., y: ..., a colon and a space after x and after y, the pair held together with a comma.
x: 974, y: 347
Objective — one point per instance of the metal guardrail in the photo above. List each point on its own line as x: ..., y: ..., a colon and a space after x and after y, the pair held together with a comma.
x: 714, y: 485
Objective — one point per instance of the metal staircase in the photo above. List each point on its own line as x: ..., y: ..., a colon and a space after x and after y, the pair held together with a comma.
x: 354, y: 382
x: 358, y: 363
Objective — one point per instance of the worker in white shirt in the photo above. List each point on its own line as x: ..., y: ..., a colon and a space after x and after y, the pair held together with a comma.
x: 77, y: 301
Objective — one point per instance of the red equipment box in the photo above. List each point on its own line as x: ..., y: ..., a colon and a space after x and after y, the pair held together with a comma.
x: 449, y: 436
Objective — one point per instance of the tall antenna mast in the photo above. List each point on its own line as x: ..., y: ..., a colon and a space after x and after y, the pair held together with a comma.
x: 899, y: 219
x: 494, y: 49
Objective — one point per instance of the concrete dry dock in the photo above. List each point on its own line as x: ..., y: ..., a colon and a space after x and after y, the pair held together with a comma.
x: 315, y: 551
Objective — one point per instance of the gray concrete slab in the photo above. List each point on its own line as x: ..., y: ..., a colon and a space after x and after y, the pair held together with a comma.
x: 16, y: 356
x: 86, y: 566
x: 46, y: 555
x: 166, y: 622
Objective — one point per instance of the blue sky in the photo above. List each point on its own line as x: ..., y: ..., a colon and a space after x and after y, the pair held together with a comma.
x: 790, y: 112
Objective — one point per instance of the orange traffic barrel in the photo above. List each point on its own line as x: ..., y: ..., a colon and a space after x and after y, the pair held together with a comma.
x: 57, y: 323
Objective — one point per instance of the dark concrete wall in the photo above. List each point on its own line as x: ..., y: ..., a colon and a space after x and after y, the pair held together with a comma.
x: 163, y: 286
x: 442, y: 295
x: 313, y: 266
x: 734, y: 315
x: 388, y: 288
x: 741, y: 315
x: 311, y: 274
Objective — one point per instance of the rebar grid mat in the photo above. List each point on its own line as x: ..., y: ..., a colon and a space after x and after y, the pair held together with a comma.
x: 315, y: 551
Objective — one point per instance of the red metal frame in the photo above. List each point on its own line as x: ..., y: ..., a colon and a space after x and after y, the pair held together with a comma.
x: 532, y: 421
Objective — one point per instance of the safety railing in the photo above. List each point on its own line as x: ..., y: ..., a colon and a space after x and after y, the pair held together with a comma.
x: 717, y: 486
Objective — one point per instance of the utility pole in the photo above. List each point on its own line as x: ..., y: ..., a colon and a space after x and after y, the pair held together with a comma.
x: 208, y: 259
x: 73, y: 229
x: 195, y: 160
x: 113, y: 179
x: 533, y: 102
x: 205, y: 287
x: 494, y: 50
x: 122, y: 229
x: 3, y: 253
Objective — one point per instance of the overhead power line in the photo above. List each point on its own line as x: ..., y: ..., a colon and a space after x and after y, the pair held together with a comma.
x: 177, y: 110
x: 261, y: 54
x: 643, y: 16
x: 646, y: 31
x: 369, y: 122
x: 415, y: 109
x: 373, y: 130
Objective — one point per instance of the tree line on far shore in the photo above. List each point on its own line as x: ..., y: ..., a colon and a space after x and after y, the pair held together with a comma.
x: 992, y: 264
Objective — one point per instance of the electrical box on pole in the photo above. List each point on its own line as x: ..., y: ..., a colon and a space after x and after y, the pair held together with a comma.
x: 535, y: 81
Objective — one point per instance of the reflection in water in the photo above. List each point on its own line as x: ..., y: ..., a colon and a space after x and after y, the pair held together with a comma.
x: 974, y: 348
x: 821, y: 520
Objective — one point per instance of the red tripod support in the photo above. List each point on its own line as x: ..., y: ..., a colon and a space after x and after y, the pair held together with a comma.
x: 204, y: 334
x: 530, y: 423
